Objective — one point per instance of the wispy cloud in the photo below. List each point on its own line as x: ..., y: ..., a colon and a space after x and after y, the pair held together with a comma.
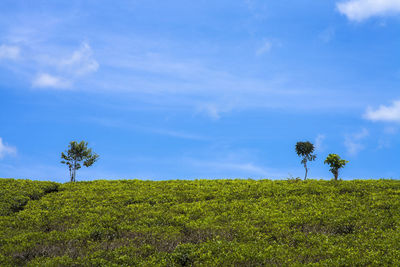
x: 319, y: 142
x: 193, y: 84
x: 45, y: 80
x: 353, y: 143
x: 390, y: 130
x: 55, y: 68
x: 259, y: 9
x: 81, y: 61
x: 220, y: 160
x: 6, y: 149
x: 327, y: 35
x: 155, y: 72
x: 389, y: 113
x: 217, y: 168
x: 359, y: 10
x: 211, y: 110
x: 117, y: 123
x: 383, y: 143
x: 264, y: 48
x: 9, y: 52
x: 176, y: 134
x: 69, y: 69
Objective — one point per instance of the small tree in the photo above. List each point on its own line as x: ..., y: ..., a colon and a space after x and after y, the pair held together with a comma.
x: 335, y: 163
x: 305, y: 150
x: 77, y: 153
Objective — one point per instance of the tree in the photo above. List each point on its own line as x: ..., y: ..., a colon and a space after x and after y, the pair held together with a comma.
x: 77, y: 153
x: 305, y: 150
x: 335, y: 163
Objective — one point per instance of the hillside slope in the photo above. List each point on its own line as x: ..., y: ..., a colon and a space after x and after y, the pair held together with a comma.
x: 202, y: 222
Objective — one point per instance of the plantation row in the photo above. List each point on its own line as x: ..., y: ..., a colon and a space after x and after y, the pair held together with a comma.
x: 200, y: 223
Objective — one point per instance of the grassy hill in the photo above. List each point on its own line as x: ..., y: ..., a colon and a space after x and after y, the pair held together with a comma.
x: 200, y: 223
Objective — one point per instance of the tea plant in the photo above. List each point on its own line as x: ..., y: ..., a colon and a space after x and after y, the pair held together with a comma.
x: 200, y: 223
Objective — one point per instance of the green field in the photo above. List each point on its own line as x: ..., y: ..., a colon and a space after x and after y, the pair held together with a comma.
x: 200, y: 223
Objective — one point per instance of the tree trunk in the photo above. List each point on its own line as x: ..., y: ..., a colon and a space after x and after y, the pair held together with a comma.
x: 74, y: 169
x: 305, y: 166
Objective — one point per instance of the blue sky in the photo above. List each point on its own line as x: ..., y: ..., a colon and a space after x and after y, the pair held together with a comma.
x: 199, y: 89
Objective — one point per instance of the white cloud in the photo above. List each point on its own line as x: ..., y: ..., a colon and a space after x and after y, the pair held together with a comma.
x: 353, y: 142
x: 9, y: 52
x: 319, y: 142
x: 384, y: 113
x: 6, y: 149
x: 266, y: 47
x: 359, y: 10
x: 81, y: 61
x: 45, y: 80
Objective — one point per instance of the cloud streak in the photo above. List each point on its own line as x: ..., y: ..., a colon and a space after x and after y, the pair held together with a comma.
x: 45, y: 80
x: 319, y: 142
x: 81, y: 61
x: 53, y: 68
x: 120, y: 124
x: 218, y: 167
x: 9, y: 52
x: 353, y: 142
x: 155, y: 73
x: 265, y: 48
x: 195, y: 85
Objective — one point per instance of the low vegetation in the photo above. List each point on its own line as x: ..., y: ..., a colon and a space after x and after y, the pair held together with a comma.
x: 200, y: 223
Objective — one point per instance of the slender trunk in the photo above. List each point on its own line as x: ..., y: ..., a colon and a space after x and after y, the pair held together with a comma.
x: 336, y: 173
x: 73, y: 172
x: 305, y: 166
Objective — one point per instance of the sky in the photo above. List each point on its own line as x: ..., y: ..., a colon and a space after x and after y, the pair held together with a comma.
x: 199, y: 89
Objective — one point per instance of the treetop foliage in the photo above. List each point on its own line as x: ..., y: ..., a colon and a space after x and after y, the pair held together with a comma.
x: 305, y: 150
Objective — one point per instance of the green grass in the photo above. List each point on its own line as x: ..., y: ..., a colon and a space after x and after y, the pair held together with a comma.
x: 200, y: 223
